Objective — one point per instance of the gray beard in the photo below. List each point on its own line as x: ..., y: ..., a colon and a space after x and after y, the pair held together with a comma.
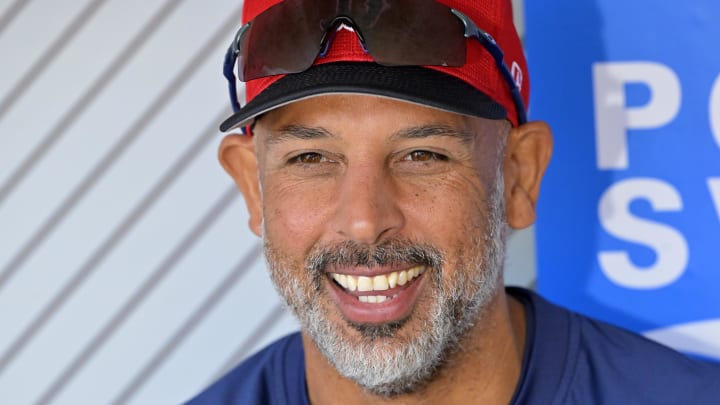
x: 384, y: 362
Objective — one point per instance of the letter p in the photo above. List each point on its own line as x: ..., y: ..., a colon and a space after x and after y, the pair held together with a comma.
x: 612, y: 115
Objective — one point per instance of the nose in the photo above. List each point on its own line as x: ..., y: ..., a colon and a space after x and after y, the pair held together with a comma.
x: 367, y: 206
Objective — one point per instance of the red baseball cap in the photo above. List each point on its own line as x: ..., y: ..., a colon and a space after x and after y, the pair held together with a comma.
x: 476, y: 88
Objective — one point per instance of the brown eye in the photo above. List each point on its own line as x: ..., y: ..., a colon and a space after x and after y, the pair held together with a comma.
x: 424, y: 156
x: 309, y: 158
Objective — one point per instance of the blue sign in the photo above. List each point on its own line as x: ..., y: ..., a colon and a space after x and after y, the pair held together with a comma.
x: 629, y: 215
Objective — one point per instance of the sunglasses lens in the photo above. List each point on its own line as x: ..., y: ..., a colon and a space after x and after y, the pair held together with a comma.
x: 411, y: 32
x: 286, y: 38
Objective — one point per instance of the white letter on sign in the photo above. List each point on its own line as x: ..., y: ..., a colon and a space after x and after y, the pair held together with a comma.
x: 715, y: 112
x: 612, y: 116
x: 714, y: 186
x: 669, y: 245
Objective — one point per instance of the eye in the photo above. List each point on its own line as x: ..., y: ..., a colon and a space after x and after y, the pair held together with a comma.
x: 308, y: 158
x: 424, y: 156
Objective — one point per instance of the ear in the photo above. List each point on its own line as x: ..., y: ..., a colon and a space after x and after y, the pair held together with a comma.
x: 237, y: 156
x: 527, y: 154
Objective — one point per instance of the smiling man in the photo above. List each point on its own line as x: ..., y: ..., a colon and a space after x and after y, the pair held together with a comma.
x: 385, y: 157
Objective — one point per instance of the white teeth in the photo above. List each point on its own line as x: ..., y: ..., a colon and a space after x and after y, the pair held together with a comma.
x: 392, y: 279
x: 364, y: 283
x: 374, y: 299
x: 402, y: 277
x: 351, y: 283
x: 378, y: 283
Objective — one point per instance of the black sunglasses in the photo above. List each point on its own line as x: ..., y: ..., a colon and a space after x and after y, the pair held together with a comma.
x: 289, y: 36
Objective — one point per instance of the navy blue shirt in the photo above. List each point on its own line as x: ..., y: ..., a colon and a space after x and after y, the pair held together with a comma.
x: 569, y: 359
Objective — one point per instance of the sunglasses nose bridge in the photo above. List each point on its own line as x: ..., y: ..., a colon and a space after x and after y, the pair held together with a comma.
x: 332, y: 29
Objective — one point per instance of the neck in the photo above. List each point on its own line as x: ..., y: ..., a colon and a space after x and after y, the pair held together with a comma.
x: 485, y: 367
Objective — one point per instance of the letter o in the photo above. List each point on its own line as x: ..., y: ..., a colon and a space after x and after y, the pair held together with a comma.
x: 715, y: 111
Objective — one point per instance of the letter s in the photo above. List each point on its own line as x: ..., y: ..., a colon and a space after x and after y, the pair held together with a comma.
x: 669, y: 245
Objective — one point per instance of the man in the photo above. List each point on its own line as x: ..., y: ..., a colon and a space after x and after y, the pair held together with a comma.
x: 386, y: 158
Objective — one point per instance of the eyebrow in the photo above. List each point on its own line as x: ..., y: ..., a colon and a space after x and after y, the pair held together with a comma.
x: 298, y: 132
x: 433, y: 130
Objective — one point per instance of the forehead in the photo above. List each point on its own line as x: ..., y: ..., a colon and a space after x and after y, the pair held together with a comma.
x: 345, y: 114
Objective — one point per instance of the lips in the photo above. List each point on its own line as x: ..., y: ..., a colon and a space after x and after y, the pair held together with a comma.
x: 378, y: 298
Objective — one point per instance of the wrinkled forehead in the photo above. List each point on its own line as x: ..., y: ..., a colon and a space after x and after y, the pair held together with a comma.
x: 362, y: 122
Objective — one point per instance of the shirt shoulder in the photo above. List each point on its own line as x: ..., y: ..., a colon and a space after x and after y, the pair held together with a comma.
x: 617, y: 365
x: 573, y: 359
x: 274, y: 375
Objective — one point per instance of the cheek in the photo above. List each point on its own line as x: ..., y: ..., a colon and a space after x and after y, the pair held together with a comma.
x: 451, y: 214
x: 294, y: 215
x: 448, y: 208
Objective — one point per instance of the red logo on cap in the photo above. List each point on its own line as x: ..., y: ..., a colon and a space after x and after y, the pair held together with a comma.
x: 517, y: 74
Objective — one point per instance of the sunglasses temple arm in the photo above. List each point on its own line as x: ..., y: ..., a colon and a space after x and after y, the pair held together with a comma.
x: 489, y: 43
x: 515, y: 91
x: 492, y: 47
x: 230, y: 58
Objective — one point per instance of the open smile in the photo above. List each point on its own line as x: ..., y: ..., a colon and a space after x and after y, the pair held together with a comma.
x: 377, y: 298
x: 382, y: 282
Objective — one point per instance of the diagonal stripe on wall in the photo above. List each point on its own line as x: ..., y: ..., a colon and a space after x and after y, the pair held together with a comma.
x: 59, y: 386
x: 85, y: 100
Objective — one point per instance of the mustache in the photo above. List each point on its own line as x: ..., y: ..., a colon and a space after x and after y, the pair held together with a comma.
x: 387, y: 253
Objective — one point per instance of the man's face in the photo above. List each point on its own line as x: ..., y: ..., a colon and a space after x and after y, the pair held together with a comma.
x: 384, y: 229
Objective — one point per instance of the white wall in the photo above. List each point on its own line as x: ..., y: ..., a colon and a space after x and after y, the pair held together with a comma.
x: 127, y: 273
